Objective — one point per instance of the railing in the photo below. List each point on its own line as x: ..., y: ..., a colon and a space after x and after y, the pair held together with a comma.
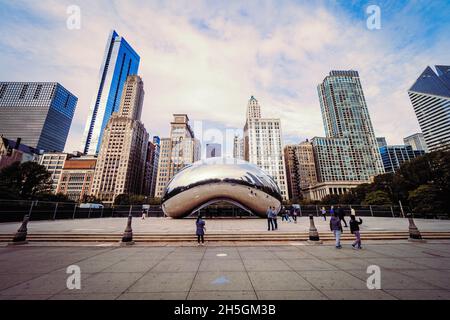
x: 14, y: 210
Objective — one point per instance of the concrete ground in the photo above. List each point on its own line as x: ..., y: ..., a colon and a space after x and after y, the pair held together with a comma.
x: 168, y: 225
x: 296, y: 271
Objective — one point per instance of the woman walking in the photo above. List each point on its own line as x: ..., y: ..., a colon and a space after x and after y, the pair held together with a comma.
x: 200, y: 230
x: 336, y: 228
x: 354, y: 229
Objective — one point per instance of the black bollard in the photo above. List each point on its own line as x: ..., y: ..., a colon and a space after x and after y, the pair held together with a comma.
x: 21, y: 235
x: 414, y: 233
x: 313, y: 233
x: 127, y: 238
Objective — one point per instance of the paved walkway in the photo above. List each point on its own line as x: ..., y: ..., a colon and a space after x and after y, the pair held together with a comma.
x: 408, y: 271
x: 168, y: 225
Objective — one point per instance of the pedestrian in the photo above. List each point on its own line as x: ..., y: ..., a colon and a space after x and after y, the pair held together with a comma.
x: 324, y: 213
x: 200, y: 230
x: 275, y: 217
x: 354, y: 229
x: 336, y: 228
x: 352, y: 212
x: 269, y: 218
x: 143, y: 214
x: 341, y: 214
x: 294, y: 214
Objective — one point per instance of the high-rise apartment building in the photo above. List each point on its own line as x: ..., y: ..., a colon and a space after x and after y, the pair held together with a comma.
x: 77, y: 177
x: 263, y: 145
x: 40, y: 113
x: 176, y: 152
x: 416, y: 141
x: 300, y: 168
x: 430, y: 98
x: 119, y: 61
x: 394, y: 156
x: 213, y: 150
x: 349, y: 154
x: 151, y: 167
x: 121, y: 161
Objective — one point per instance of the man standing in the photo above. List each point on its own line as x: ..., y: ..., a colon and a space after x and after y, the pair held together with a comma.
x: 341, y: 215
x: 269, y: 218
x: 274, y: 218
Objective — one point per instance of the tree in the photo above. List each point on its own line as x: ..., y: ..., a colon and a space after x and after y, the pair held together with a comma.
x: 377, y: 198
x: 330, y: 199
x: 427, y: 199
x: 90, y: 199
x: 25, y: 180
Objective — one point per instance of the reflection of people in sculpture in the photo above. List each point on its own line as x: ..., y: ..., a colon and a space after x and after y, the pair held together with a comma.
x: 200, y: 230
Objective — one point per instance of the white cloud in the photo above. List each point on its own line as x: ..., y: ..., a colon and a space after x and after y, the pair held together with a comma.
x: 279, y: 53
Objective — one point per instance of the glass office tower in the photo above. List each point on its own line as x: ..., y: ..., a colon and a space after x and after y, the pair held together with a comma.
x: 40, y: 113
x: 120, y: 61
x: 394, y: 156
x: 430, y: 97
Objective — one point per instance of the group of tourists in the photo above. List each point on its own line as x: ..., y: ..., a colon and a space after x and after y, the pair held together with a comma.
x: 337, y: 217
x: 289, y: 215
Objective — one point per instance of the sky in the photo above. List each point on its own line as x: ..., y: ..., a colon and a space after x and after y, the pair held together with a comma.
x: 206, y: 58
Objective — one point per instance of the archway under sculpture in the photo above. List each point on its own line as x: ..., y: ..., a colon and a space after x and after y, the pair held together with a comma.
x: 221, y: 179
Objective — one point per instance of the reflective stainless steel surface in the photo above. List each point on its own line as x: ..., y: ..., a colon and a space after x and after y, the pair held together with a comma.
x: 220, y: 179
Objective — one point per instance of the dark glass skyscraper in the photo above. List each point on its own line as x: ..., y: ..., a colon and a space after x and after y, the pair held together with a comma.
x: 394, y: 156
x: 120, y: 61
x: 430, y: 97
x: 40, y: 113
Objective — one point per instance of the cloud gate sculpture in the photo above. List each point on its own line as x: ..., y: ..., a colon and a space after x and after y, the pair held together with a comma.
x: 220, y: 179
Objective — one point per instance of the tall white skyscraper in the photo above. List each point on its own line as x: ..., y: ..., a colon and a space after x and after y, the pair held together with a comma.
x: 263, y: 145
x: 119, y: 61
x: 430, y: 97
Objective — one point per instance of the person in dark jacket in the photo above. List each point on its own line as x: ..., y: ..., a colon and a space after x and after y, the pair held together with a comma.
x: 269, y: 219
x: 354, y: 229
x: 200, y: 230
x: 341, y: 214
x: 275, y: 217
x: 336, y: 228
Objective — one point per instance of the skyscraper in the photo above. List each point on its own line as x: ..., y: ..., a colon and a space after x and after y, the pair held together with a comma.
x: 119, y: 61
x: 263, y: 146
x: 430, y: 97
x: 394, y: 156
x: 381, y: 141
x: 40, y: 113
x: 416, y: 141
x: 121, y: 161
x: 176, y: 152
x: 213, y: 150
x: 151, y: 167
x: 349, y: 154
x: 346, y: 116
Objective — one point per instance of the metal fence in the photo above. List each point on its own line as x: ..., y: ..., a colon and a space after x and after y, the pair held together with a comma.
x: 15, y: 210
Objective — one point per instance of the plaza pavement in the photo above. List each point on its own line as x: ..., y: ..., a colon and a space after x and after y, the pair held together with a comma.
x: 172, y: 226
x: 293, y: 271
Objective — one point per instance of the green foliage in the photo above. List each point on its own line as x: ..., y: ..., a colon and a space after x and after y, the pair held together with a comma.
x: 27, y: 180
x: 378, y: 197
x: 331, y: 199
x: 91, y: 199
x: 427, y: 199
x: 51, y: 197
x: 131, y: 199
